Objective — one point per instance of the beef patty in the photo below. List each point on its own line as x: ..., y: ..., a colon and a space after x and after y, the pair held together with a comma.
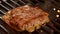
x: 26, y: 18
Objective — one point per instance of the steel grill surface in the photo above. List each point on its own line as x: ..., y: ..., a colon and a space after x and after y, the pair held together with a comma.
x: 51, y: 6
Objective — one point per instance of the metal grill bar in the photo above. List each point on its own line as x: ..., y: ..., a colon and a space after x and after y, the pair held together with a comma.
x: 4, y: 28
x: 31, y: 2
x: 15, y: 2
x: 2, y: 12
x: 9, y: 4
x: 0, y: 1
x: 47, y: 29
x: 22, y: 1
x: 56, y: 24
x: 42, y: 31
x: 4, y: 7
x: 53, y: 27
x: 0, y: 16
x: 38, y: 1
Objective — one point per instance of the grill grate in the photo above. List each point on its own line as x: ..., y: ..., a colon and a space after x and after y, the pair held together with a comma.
x: 7, y: 5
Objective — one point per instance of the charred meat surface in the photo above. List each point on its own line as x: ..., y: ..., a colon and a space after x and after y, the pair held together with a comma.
x: 26, y: 18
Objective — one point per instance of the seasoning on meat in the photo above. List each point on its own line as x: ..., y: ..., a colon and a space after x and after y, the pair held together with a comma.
x: 26, y: 18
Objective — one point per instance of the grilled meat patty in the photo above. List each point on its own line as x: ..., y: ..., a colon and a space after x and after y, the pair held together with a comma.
x: 26, y: 18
